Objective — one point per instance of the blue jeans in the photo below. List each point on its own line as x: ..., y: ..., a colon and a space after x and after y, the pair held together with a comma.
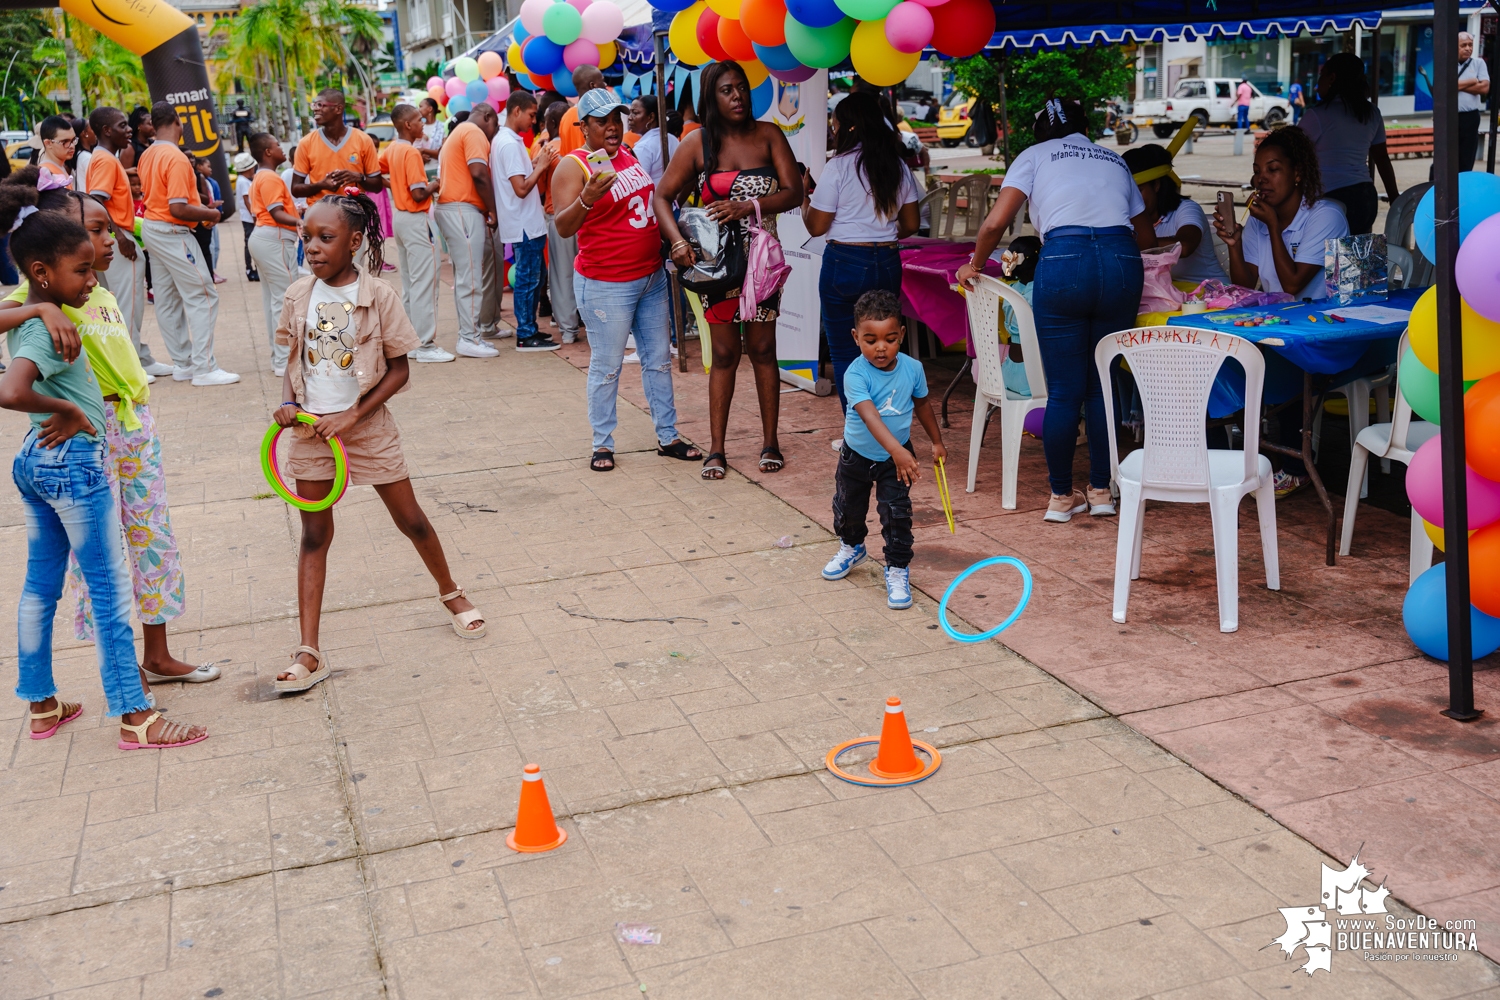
x: 1242, y: 116
x: 612, y: 311
x: 848, y: 272
x: 69, y: 507
x: 1087, y: 287
x: 528, y: 255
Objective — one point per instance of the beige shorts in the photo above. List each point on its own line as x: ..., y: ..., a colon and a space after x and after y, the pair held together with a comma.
x: 373, y: 450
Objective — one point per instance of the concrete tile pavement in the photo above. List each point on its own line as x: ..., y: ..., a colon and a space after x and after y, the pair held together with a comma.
x: 350, y: 842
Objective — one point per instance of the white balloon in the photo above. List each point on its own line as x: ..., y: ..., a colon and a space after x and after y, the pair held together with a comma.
x: 602, y: 22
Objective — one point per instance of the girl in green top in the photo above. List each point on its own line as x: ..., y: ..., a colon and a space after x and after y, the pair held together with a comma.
x: 134, y: 450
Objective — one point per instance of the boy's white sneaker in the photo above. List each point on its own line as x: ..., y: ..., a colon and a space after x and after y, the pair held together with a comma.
x: 180, y: 374
x: 847, y: 557
x: 159, y: 368
x: 216, y: 377
x: 431, y: 354
x: 897, y: 588
x: 476, y: 349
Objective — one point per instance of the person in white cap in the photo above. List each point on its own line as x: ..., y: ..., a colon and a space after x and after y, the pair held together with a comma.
x: 244, y: 172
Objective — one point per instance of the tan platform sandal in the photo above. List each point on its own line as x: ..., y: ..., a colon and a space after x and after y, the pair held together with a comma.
x: 463, y: 619
x: 143, y: 742
x: 302, y: 677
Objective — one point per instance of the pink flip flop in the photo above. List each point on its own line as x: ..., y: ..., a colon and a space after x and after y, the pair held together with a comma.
x: 55, y: 713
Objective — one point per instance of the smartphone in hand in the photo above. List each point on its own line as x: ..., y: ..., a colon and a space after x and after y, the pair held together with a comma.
x: 1224, y: 210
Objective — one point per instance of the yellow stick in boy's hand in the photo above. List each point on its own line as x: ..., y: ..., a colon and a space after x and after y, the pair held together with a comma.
x: 941, y: 475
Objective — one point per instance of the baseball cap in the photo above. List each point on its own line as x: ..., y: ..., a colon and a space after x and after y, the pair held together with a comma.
x: 598, y: 104
x: 244, y: 162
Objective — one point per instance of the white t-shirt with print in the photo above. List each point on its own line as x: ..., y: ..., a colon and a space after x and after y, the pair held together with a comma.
x: 328, y: 364
x: 845, y: 191
x: 1343, y: 142
x: 1074, y: 182
x: 1303, y: 238
x: 1202, y: 263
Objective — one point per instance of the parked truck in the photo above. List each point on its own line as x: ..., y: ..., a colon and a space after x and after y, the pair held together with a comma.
x: 1212, y: 102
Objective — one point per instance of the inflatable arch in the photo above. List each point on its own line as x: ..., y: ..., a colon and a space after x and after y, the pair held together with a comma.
x: 167, y: 41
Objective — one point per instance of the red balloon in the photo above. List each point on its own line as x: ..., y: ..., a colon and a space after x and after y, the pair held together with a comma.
x: 962, y: 28
x: 734, y: 40
x: 542, y: 82
x: 708, y: 35
x: 1482, y: 426
x: 1484, y: 567
x: 764, y: 21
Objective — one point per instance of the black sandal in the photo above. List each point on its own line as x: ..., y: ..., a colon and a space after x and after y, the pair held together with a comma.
x: 715, y: 472
x: 602, y: 456
x: 680, y: 450
x: 772, y: 464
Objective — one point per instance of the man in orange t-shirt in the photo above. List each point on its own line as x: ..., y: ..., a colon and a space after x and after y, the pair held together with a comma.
x: 107, y: 181
x: 334, y: 157
x: 466, y: 215
x: 416, y: 255
x: 187, y: 304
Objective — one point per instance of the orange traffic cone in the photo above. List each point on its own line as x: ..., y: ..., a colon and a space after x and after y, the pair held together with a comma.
x: 536, y: 830
x: 896, y: 758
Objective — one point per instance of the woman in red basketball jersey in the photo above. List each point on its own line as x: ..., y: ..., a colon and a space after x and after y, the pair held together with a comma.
x: 605, y: 196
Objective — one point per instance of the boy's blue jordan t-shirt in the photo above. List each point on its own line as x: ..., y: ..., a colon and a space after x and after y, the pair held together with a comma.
x: 892, y: 392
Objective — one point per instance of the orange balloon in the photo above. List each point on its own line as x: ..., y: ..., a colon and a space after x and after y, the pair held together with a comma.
x: 1482, y: 426
x: 764, y: 21
x: 734, y: 40
x: 1484, y: 569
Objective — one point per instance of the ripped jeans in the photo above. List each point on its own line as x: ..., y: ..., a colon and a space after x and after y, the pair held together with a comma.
x: 612, y: 311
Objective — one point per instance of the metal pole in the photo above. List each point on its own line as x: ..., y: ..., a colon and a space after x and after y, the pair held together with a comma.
x: 1004, y: 115
x: 1490, y: 40
x: 1374, y: 67
x: 1446, y: 26
x: 679, y: 325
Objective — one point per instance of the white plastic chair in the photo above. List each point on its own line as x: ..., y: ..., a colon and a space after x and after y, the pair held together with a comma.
x: 1357, y: 394
x: 1174, y: 370
x: 985, y: 318
x: 1398, y: 441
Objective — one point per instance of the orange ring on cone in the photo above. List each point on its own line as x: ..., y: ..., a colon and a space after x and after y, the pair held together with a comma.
x: 832, y: 763
x: 510, y: 841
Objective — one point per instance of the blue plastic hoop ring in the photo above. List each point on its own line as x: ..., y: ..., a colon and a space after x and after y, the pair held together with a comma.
x: 1020, y: 606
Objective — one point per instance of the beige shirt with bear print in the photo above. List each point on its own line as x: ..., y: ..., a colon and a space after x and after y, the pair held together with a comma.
x: 379, y: 326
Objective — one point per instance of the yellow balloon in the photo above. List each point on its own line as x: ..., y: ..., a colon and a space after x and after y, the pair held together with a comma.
x: 726, y: 8
x: 607, y: 54
x: 755, y: 71
x: 1436, y: 534
x: 876, y: 60
x: 683, y: 35
x: 513, y: 59
x: 1481, y: 337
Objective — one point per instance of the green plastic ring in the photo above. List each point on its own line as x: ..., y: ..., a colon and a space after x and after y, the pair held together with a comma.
x: 273, y: 474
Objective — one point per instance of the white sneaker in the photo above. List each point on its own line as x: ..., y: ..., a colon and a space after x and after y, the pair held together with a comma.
x: 476, y: 349
x: 216, y: 377
x: 180, y: 374
x: 498, y: 334
x: 838, y: 444
x: 150, y: 379
x: 159, y: 368
x: 633, y: 358
x: 278, y: 372
x: 430, y: 354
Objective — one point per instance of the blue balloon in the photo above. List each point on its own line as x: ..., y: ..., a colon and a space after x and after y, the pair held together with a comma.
x: 777, y: 57
x: 460, y: 103
x: 761, y: 97
x: 813, y: 13
x: 563, y: 84
x: 1425, y: 614
x: 671, y: 6
x: 1478, y: 199
x: 477, y: 91
x: 523, y: 81
x: 520, y: 34
x: 542, y: 55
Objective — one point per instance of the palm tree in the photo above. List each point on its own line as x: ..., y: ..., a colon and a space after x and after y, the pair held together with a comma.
x: 110, y: 73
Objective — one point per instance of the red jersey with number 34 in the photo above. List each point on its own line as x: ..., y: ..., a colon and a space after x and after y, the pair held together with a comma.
x: 618, y: 240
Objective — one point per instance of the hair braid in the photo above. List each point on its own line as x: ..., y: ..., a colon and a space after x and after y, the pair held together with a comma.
x: 362, y: 214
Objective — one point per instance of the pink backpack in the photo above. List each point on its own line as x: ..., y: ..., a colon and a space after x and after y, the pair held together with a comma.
x: 766, y: 269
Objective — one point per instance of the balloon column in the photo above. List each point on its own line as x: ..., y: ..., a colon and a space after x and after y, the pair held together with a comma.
x: 555, y: 37
x: 792, y: 39
x: 473, y: 81
x: 1478, y: 273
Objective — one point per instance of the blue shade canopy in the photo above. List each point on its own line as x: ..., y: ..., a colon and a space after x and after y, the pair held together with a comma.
x: 1054, y: 36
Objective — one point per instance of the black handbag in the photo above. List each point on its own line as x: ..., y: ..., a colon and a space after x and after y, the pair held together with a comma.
x: 720, y: 252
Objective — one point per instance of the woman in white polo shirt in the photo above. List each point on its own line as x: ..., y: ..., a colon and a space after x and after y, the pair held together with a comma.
x: 865, y: 201
x: 1349, y: 136
x: 1089, y: 276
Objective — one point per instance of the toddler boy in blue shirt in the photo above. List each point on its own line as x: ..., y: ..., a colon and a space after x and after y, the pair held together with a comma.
x: 885, y: 389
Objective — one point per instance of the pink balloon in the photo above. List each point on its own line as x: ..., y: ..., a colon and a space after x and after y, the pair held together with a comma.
x: 1424, y: 487
x: 531, y: 16
x: 434, y: 81
x: 580, y: 53
x: 454, y: 86
x: 908, y: 27
x: 490, y: 65
x: 602, y: 22
x: 499, y: 91
x: 1478, y: 268
x: 581, y: 5
x: 931, y: 3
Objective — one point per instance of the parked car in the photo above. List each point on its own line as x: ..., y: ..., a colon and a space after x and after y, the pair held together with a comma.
x: 1212, y: 102
x: 18, y: 152
x: 953, y: 120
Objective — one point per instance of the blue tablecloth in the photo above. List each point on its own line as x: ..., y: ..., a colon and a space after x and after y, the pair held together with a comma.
x: 1299, y: 344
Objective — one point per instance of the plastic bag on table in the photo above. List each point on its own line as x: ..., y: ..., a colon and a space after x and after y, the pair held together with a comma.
x: 1159, y: 294
x: 1218, y: 294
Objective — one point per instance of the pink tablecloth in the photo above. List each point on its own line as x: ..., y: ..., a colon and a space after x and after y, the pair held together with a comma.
x: 928, y: 269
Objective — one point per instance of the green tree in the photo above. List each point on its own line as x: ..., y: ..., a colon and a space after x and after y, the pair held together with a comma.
x: 1091, y: 75
x: 418, y: 76
x: 20, y: 33
x: 109, y: 73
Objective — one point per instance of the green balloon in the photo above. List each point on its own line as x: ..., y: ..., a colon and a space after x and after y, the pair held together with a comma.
x: 562, y: 23
x: 1419, y: 384
x: 866, y: 10
x: 821, y: 48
